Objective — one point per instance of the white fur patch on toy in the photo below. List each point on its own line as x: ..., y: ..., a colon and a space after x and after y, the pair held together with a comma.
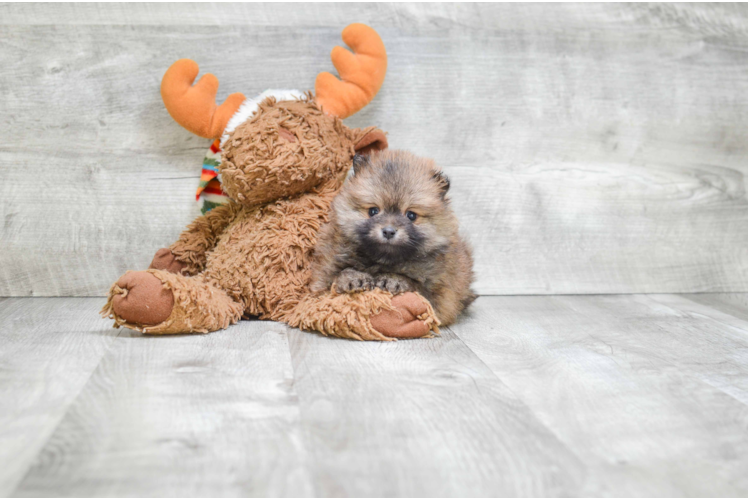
x: 249, y: 106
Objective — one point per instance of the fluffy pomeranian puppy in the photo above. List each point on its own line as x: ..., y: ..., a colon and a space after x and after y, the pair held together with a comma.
x: 391, y: 227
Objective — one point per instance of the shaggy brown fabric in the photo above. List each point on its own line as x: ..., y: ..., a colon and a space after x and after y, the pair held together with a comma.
x: 197, y: 306
x: 260, y: 165
x: 362, y: 316
x: 252, y: 256
x: 201, y: 236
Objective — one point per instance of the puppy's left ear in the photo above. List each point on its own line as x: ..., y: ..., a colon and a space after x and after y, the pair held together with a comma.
x: 442, y: 181
x: 368, y: 140
x: 360, y: 162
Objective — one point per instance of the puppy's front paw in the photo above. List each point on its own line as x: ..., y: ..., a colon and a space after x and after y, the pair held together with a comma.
x: 393, y: 283
x: 351, y: 281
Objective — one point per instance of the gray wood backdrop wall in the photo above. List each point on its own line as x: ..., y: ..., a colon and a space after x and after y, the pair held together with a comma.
x: 593, y: 148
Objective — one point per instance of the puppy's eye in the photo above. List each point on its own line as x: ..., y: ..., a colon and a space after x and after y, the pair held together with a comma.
x: 373, y: 211
x: 411, y: 215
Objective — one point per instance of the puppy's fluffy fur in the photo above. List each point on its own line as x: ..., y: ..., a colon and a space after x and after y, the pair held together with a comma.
x: 391, y: 227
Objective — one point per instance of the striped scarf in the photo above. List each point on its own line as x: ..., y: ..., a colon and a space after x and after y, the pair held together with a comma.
x: 210, y: 180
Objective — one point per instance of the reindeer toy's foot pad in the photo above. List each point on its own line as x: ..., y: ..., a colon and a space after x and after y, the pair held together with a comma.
x: 410, y: 319
x: 140, y: 298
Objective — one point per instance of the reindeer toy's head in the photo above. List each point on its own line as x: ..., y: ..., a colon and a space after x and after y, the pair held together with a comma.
x: 284, y: 142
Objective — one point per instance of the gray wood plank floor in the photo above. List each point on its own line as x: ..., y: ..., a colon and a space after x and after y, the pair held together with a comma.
x: 628, y: 395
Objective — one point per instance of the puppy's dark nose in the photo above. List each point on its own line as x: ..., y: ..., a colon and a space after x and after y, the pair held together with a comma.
x: 389, y: 232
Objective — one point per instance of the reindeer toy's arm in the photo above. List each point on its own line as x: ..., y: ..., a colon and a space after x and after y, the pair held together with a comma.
x: 188, y: 255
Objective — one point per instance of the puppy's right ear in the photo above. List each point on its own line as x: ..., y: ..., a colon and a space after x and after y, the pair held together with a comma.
x: 360, y: 162
x: 442, y: 181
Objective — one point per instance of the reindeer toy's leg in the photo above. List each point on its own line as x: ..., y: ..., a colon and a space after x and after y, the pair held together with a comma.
x: 164, y: 299
x: 372, y: 315
x: 157, y: 301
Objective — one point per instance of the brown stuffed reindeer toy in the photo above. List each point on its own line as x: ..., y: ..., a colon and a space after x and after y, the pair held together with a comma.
x: 284, y: 158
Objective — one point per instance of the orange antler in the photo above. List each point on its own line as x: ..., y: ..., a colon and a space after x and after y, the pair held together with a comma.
x: 362, y: 72
x: 194, y: 107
